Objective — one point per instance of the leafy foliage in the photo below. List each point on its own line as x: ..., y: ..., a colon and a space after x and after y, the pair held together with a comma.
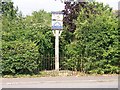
x: 19, y: 36
x: 96, y: 42
x: 91, y: 46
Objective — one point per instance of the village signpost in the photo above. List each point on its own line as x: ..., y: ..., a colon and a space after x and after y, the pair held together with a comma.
x: 57, y: 27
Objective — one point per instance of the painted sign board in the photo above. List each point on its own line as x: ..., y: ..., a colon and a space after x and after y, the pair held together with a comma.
x: 57, y: 20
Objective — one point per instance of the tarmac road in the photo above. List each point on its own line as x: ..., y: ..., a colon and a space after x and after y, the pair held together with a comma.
x: 62, y: 82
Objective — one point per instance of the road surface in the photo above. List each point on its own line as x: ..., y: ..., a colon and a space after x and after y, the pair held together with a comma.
x: 62, y: 82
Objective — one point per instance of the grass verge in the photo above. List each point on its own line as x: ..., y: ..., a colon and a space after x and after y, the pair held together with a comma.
x: 53, y: 73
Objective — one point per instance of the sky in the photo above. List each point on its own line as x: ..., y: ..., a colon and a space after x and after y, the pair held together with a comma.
x: 28, y: 6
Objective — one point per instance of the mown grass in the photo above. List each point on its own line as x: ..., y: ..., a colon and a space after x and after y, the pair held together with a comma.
x: 53, y: 74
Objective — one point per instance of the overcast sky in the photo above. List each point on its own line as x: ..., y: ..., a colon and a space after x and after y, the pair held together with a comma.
x: 28, y: 6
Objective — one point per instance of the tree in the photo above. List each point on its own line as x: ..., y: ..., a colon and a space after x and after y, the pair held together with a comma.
x: 19, y: 55
x: 8, y: 10
x: 95, y: 47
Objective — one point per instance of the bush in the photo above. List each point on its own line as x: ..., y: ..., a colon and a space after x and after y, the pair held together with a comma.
x: 19, y: 58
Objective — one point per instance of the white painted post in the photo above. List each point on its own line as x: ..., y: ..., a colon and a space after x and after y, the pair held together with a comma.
x: 57, y: 50
x: 57, y: 27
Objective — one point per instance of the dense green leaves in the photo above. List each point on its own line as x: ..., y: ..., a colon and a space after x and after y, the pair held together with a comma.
x: 96, y: 41
x: 91, y: 46
x: 20, y: 37
x: 19, y: 57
